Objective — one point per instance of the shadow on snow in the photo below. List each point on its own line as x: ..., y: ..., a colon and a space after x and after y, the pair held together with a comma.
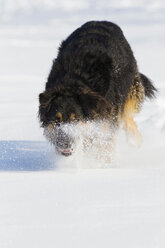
x: 25, y: 156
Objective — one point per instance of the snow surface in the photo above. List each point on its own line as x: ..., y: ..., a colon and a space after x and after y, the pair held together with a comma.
x: 47, y: 201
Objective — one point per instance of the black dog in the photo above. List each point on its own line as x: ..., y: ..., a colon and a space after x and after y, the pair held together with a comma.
x: 94, y: 77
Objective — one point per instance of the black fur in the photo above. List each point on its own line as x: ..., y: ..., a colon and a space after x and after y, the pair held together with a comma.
x: 149, y: 89
x: 92, y: 75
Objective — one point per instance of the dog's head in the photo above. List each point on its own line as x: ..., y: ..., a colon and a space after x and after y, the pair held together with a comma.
x: 75, y: 105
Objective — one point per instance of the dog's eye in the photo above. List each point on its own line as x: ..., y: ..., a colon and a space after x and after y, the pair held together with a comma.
x: 57, y: 122
x: 59, y: 117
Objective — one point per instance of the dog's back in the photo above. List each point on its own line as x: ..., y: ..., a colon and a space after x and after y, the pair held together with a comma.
x: 99, y: 54
x: 98, y: 58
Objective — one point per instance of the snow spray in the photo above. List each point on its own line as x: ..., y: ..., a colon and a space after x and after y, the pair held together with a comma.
x: 93, y: 148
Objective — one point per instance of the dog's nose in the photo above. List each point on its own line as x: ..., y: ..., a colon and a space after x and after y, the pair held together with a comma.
x: 63, y: 140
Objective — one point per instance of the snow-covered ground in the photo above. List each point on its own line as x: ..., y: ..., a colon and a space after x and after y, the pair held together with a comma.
x: 46, y: 201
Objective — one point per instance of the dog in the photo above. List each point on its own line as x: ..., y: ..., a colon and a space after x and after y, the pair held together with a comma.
x: 94, y: 77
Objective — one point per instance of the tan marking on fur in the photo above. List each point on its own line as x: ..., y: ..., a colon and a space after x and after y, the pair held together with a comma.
x: 132, y: 107
x: 72, y: 117
x: 132, y: 130
x: 59, y: 115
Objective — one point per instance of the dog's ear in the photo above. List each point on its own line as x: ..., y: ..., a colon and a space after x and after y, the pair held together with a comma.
x: 93, y: 105
x: 46, y: 97
x: 42, y: 98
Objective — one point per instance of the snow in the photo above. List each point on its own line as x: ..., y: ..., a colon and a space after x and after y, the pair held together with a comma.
x: 48, y: 201
x: 85, y: 209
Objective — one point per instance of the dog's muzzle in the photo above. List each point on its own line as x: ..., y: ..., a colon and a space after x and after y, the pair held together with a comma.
x: 64, y: 143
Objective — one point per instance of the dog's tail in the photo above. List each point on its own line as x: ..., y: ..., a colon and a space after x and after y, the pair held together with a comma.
x: 149, y: 89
